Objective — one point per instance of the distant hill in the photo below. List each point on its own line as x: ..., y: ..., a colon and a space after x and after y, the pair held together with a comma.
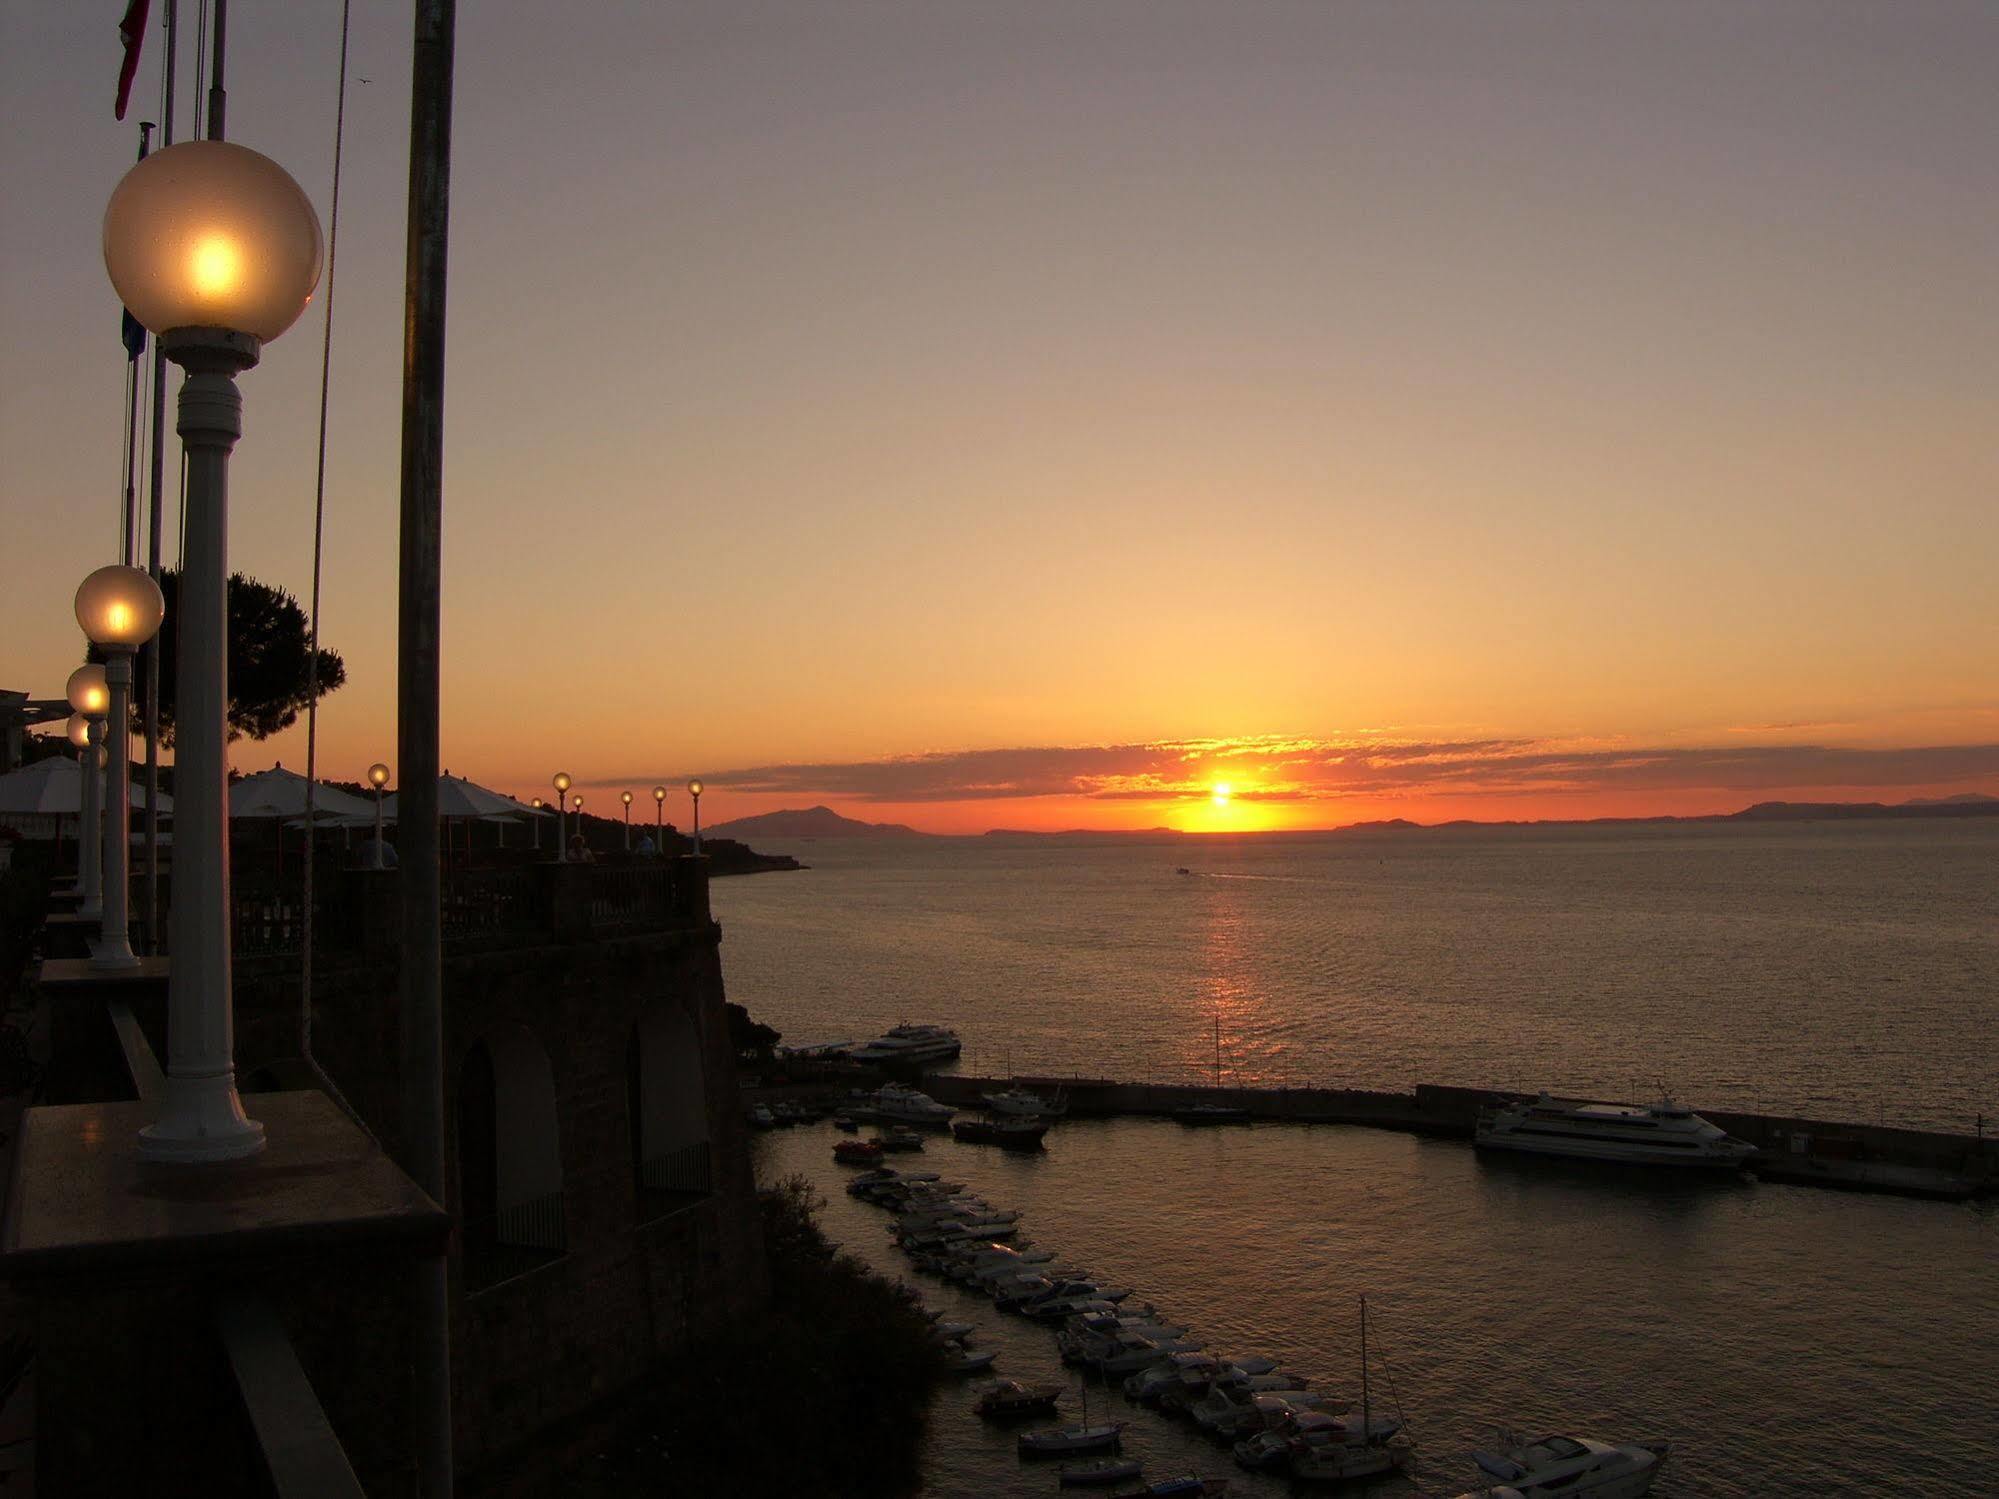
x: 1971, y: 804
x: 1962, y: 799
x: 809, y: 822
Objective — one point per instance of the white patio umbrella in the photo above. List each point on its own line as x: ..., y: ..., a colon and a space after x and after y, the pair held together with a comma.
x: 278, y: 792
x: 459, y: 799
x: 54, y: 787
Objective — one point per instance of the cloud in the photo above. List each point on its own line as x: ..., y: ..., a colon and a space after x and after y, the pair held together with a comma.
x: 1292, y: 769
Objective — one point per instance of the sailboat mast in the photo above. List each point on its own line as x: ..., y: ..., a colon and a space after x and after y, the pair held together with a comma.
x: 1218, y: 1051
x: 1365, y: 1422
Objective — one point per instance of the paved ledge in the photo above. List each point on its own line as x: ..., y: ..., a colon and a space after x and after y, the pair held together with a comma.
x: 82, y: 1202
x: 71, y: 975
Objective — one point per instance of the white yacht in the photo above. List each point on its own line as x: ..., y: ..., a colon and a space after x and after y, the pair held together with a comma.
x: 1570, y: 1465
x: 893, y: 1101
x: 911, y: 1043
x: 1658, y: 1134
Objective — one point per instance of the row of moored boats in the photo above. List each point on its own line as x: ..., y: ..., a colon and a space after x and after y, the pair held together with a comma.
x: 1269, y: 1417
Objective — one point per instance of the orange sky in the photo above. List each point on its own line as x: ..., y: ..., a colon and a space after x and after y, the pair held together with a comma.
x: 835, y: 386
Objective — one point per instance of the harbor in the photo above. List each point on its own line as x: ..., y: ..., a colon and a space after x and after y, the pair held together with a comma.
x: 1542, y: 1296
x: 1840, y: 1155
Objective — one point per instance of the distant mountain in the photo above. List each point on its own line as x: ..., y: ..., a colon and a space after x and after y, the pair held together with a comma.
x: 1962, y: 799
x: 810, y: 822
x: 1969, y: 805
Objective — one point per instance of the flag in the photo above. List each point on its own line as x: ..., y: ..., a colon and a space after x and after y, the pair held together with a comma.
x: 134, y: 333
x: 131, y: 31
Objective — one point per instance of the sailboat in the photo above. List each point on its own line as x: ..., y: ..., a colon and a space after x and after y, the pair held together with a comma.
x: 1374, y: 1447
x: 1066, y: 1439
x: 1214, y: 1112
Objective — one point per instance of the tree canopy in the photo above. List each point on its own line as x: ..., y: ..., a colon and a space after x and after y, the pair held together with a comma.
x: 269, y: 651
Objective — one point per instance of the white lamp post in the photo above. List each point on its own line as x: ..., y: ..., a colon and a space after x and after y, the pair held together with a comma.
x: 120, y: 609
x: 378, y: 777
x: 626, y: 798
x: 694, y: 790
x: 77, y: 731
x: 215, y: 249
x: 537, y: 825
x: 659, y: 822
x: 90, y: 698
x: 561, y: 784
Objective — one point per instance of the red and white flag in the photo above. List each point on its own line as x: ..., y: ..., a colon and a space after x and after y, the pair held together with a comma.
x: 131, y: 31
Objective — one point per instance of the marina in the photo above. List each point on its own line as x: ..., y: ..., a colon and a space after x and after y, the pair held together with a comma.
x: 1488, y: 1316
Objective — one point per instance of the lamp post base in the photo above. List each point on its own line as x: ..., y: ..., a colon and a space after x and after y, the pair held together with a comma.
x: 106, y: 956
x: 202, y: 1120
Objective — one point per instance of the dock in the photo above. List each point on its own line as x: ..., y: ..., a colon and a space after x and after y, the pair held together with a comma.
x: 1808, y: 1152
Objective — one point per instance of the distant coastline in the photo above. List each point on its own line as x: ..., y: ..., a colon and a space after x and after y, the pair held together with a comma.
x: 823, y: 822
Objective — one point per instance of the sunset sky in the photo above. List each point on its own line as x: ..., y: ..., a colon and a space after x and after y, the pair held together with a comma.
x: 1031, y: 415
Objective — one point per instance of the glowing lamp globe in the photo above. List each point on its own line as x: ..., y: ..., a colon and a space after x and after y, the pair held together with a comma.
x: 537, y: 804
x: 87, y: 693
x: 77, y: 730
x: 210, y: 234
x: 659, y: 793
x: 576, y: 801
x: 626, y: 798
x: 120, y: 608
x: 562, y: 781
x: 378, y: 775
x: 693, y: 788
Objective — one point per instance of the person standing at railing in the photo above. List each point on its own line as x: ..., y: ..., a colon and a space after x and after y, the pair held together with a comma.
x: 579, y: 851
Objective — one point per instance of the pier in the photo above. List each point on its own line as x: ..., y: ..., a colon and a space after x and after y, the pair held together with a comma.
x: 1808, y: 1152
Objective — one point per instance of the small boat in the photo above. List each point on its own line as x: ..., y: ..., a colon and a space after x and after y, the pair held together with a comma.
x: 848, y: 1126
x: 1572, y: 1465
x: 1025, y: 1103
x: 1186, y: 1486
x: 856, y: 1152
x: 964, y: 1361
x: 760, y: 1116
x: 1212, y: 1113
x: 1334, y: 1451
x: 1100, y: 1470
x: 951, y: 1332
x: 1659, y: 1134
x: 1051, y: 1441
x: 1183, y: 869
x: 1008, y: 1134
x: 1010, y: 1397
x: 898, y: 1137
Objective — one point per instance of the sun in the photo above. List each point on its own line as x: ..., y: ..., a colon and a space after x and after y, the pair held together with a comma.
x: 1220, y: 795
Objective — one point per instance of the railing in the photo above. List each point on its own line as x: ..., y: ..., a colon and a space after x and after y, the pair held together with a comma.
x: 302, y: 1457
x: 478, y: 901
x: 355, y: 911
x: 628, y: 896
x: 689, y: 1170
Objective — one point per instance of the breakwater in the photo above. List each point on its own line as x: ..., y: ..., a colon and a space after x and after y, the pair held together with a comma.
x: 1813, y: 1152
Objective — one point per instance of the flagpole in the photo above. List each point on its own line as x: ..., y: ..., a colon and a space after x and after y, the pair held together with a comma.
x: 151, y: 663
x: 218, y: 101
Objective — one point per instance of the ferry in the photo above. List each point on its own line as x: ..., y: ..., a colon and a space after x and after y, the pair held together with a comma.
x: 1658, y: 1134
x: 911, y: 1043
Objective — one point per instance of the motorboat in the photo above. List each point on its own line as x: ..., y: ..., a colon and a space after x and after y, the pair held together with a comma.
x: 856, y: 1152
x: 958, y: 1360
x: 1136, y: 1351
x: 911, y: 1106
x: 1025, y: 1103
x: 760, y: 1116
x: 951, y: 1332
x: 910, y: 1044
x: 1008, y: 1134
x: 898, y: 1137
x: 1100, y: 1470
x: 1572, y: 1465
x: 1148, y: 1384
x: 846, y: 1125
x: 1011, y: 1397
x: 1230, y: 1403
x: 1656, y: 1134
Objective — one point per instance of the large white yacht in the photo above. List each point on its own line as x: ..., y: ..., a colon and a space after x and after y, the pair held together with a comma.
x: 1657, y: 1134
x: 1570, y: 1465
x: 911, y: 1043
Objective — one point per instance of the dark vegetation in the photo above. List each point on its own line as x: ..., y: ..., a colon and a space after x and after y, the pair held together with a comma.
x: 823, y: 1394
x: 270, y: 650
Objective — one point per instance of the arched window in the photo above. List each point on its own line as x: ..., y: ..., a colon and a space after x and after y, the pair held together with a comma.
x: 509, y: 1158
x: 668, y: 1097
